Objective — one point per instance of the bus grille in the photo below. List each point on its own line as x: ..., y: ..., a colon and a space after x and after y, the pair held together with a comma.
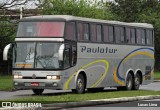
x: 34, y: 78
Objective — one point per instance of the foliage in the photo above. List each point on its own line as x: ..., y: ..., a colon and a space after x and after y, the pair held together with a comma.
x: 147, y: 11
x: 83, y: 8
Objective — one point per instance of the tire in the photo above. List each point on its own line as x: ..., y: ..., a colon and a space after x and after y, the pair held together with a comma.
x: 129, y: 82
x: 137, y: 82
x: 38, y: 91
x: 80, y: 84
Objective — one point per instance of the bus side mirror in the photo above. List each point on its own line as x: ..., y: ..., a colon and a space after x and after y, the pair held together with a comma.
x: 5, y: 51
x: 60, y: 52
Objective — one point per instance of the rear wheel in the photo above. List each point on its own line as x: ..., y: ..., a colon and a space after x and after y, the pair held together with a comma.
x: 137, y: 82
x: 80, y: 84
x: 129, y: 82
x: 38, y: 91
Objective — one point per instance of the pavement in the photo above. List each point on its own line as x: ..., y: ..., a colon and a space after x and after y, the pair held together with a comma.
x: 56, y: 106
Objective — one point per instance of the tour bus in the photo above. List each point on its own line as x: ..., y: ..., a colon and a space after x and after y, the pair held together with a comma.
x: 63, y: 52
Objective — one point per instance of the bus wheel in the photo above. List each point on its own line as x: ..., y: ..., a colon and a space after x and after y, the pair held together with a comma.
x: 136, y: 82
x: 129, y: 82
x: 80, y: 84
x: 38, y: 91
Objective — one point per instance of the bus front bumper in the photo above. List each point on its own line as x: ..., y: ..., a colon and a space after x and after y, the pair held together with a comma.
x: 37, y: 84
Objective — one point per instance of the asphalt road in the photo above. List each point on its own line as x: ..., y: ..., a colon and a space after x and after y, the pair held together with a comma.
x: 24, y: 93
x: 123, y: 106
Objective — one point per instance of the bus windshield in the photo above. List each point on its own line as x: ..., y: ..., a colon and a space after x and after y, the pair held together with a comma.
x: 40, y: 29
x: 38, y: 55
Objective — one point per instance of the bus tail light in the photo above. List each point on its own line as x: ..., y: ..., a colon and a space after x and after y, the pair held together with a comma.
x: 53, y: 77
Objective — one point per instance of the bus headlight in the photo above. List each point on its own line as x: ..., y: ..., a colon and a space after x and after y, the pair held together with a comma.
x: 18, y: 76
x: 53, y: 77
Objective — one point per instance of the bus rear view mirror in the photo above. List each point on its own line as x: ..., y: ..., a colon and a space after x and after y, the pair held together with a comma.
x: 5, y: 51
x: 60, y: 53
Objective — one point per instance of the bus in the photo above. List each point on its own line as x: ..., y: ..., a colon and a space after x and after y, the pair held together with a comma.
x: 64, y: 52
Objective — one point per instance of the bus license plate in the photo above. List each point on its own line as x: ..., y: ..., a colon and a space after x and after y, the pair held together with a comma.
x: 35, y: 84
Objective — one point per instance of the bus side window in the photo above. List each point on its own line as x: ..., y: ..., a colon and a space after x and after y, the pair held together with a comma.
x: 138, y: 36
x: 133, y: 36
x: 128, y: 36
x: 117, y: 34
x: 149, y: 37
x: 143, y: 36
x: 83, y: 32
x: 99, y: 33
x: 93, y: 32
x: 111, y: 34
x: 70, y: 31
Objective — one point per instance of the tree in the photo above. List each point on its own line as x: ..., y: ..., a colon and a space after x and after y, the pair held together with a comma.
x: 147, y: 11
x: 83, y: 8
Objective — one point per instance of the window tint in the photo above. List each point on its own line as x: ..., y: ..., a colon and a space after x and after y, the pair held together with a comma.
x: 119, y: 34
x: 149, y: 37
x: 143, y: 36
x: 99, y: 33
x: 93, y: 32
x: 108, y: 33
x: 133, y: 36
x: 82, y: 32
x: 138, y: 36
x: 128, y: 35
x: 70, y: 31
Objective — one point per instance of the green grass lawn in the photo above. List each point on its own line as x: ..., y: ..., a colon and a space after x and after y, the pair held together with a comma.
x: 6, y: 83
x: 157, y: 75
x: 87, y: 96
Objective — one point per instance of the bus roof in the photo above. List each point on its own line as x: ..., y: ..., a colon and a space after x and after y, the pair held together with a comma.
x: 74, y: 18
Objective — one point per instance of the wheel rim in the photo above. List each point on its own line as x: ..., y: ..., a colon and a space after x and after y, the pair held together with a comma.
x: 79, y: 84
x: 137, y: 82
x: 129, y: 83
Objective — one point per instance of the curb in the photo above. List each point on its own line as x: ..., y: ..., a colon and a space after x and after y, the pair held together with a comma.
x: 87, y: 103
x: 156, y: 81
x: 97, y: 102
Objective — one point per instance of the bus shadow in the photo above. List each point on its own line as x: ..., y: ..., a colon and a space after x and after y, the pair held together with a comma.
x: 68, y: 92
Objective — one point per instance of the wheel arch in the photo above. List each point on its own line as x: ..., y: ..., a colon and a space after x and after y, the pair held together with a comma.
x: 130, y: 71
x: 81, y: 71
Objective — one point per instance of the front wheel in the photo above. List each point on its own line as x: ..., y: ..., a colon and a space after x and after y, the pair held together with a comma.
x: 136, y: 82
x: 38, y: 91
x: 80, y: 84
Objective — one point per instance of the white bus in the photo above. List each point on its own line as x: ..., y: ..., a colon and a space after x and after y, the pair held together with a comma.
x: 63, y: 52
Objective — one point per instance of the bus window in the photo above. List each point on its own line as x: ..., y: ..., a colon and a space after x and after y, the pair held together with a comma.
x: 119, y: 34
x: 70, y: 31
x: 122, y: 34
x: 149, y: 37
x: 99, y: 33
x: 82, y: 32
x: 111, y: 33
x: 138, y: 36
x: 133, y: 36
x: 67, y: 56
x: 128, y: 35
x: 105, y: 33
x: 74, y: 55
x: 93, y: 32
x: 143, y: 36
x: 108, y: 33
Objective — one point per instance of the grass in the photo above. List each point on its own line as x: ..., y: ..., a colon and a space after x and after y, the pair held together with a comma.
x: 87, y: 96
x: 157, y: 75
x: 6, y: 83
